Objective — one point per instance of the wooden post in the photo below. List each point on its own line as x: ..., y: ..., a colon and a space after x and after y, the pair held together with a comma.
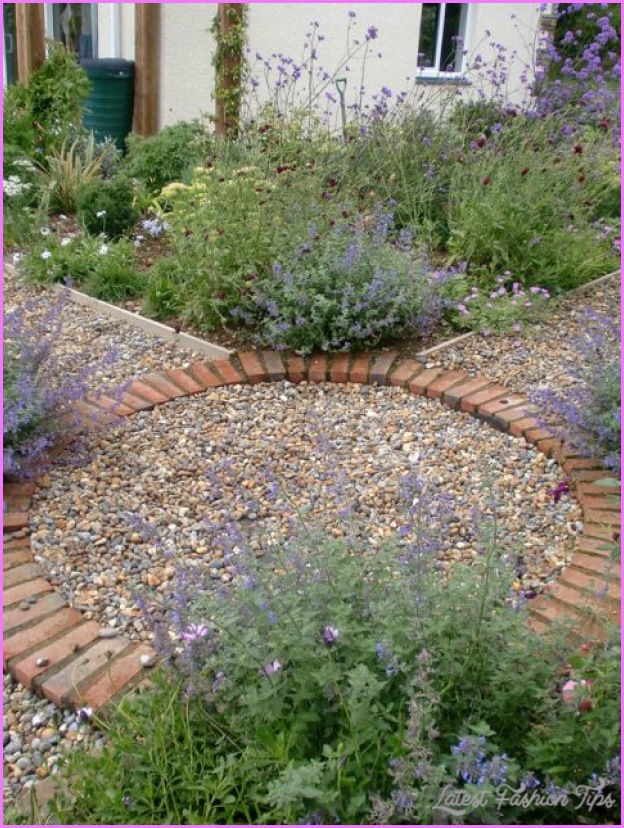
x: 30, y: 31
x: 147, y: 68
x: 229, y: 63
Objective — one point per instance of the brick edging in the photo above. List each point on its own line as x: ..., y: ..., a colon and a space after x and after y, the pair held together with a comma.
x: 51, y: 648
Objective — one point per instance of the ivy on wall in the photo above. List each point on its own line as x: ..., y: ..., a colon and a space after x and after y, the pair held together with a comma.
x: 230, y: 32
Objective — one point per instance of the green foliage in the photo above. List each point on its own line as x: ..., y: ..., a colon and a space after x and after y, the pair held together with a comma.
x: 157, y: 160
x: 107, y: 206
x: 348, y: 288
x: 501, y: 310
x: 55, y: 95
x: 522, y: 205
x: 336, y: 687
x: 103, y: 269
x: 17, y: 123
x: 221, y: 235
x: 68, y: 170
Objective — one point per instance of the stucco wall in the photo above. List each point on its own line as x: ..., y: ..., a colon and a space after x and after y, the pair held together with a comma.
x: 187, y: 47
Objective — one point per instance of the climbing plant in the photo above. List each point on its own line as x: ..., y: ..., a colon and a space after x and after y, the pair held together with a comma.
x: 230, y: 31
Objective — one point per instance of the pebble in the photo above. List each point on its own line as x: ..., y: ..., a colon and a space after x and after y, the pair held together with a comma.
x: 152, y: 483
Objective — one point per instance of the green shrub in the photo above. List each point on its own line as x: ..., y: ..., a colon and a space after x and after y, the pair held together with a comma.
x: 350, y: 288
x: 107, y: 207
x: 54, y: 98
x: 104, y: 269
x: 521, y: 205
x: 17, y: 123
x: 68, y: 170
x: 333, y: 686
x: 157, y: 160
x: 20, y: 196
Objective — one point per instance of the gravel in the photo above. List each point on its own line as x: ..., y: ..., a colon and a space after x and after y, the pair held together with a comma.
x: 113, y: 528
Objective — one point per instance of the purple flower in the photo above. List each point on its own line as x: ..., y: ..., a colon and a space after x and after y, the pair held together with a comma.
x: 372, y: 32
x: 561, y: 488
x: 272, y: 667
x: 195, y: 632
x: 330, y: 635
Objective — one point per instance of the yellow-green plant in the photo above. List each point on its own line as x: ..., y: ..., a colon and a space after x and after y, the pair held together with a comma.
x: 76, y: 163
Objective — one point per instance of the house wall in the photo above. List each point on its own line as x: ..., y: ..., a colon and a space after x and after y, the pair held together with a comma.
x: 187, y: 47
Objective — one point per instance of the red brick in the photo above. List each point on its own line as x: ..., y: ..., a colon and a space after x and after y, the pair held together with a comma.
x: 134, y: 402
x: 13, y: 595
x: 607, y: 519
x: 532, y: 433
x: 597, y: 565
x: 204, y: 376
x: 444, y: 382
x: 112, y: 405
x: 227, y: 371
x: 25, y: 572
x: 401, y: 375
x: 588, y: 475
x: 598, y: 529
x: 163, y: 385
x: 252, y: 367
x: 91, y: 416
x: 317, y: 368
x: 420, y: 383
x: 595, y: 502
x: 599, y: 547
x: 573, y: 464
x: 584, y: 599
x: 360, y: 368
x: 549, y: 446
x: 549, y: 610
x: 492, y: 407
x: 504, y: 418
x: 26, y: 489
x: 339, y: 371
x: 68, y: 682
x: 14, y: 520
x: 15, y: 544
x: 14, y: 619
x: 381, y: 366
x: 582, y: 580
x: 275, y: 367
x: 16, y: 558
x: 13, y: 503
x: 122, y: 670
x: 591, y: 489
x: 538, y: 626
x: 25, y: 669
x: 295, y: 368
x: 146, y: 392
x: 453, y: 396
x: 38, y: 634
x: 183, y: 380
x: 471, y: 402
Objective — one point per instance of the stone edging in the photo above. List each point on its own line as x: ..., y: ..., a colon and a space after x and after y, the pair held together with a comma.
x: 51, y: 649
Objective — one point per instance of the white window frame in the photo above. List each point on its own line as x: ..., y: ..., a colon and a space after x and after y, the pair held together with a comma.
x: 435, y: 71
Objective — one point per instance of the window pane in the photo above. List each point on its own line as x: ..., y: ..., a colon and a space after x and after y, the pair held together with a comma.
x: 74, y: 24
x: 428, y: 33
x: 450, y: 56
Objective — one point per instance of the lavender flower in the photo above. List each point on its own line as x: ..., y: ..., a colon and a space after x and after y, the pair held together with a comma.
x: 330, y: 635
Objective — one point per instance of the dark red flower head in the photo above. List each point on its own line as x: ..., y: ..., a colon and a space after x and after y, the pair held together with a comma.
x: 487, y: 180
x: 481, y: 141
x: 578, y: 149
x: 524, y: 170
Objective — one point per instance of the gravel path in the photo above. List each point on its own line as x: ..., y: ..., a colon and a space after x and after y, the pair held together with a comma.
x: 113, y: 528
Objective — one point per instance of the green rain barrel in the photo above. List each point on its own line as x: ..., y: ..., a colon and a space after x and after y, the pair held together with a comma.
x: 108, y: 109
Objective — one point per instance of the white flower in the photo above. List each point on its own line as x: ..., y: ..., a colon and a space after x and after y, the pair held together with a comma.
x: 45, y: 231
x: 62, y: 217
x: 103, y: 250
x: 24, y: 164
x: 65, y: 241
x: 100, y: 214
x: 17, y: 258
x: 46, y: 255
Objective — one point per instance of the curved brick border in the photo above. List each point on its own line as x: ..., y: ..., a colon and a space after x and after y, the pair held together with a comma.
x: 82, y: 668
